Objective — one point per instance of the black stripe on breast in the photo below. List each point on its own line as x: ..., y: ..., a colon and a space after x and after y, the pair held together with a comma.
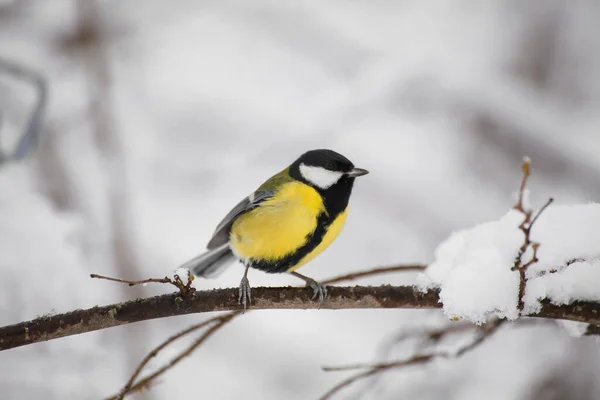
x: 335, y: 200
x: 284, y: 264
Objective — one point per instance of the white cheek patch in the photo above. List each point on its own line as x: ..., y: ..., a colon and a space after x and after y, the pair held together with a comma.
x: 319, y: 176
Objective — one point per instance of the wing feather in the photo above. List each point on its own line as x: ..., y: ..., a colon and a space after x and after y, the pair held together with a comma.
x: 221, y: 234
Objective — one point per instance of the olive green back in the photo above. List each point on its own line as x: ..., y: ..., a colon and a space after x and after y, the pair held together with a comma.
x: 277, y: 180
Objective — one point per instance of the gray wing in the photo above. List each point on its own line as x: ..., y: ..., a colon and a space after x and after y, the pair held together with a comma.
x: 221, y: 235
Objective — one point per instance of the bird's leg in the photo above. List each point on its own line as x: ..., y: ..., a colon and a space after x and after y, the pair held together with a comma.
x: 318, y: 288
x: 245, y: 289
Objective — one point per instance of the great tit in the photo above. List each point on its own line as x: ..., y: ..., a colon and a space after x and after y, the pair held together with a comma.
x: 285, y: 223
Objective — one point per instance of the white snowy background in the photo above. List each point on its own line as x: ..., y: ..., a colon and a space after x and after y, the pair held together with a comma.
x: 166, y: 115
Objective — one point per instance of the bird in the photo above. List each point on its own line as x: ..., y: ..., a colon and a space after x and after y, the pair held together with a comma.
x: 289, y: 220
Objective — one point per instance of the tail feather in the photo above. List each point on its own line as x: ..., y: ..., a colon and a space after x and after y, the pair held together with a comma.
x: 212, y: 263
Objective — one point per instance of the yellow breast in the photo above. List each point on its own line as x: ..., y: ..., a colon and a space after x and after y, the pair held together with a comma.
x: 334, y: 230
x: 280, y: 225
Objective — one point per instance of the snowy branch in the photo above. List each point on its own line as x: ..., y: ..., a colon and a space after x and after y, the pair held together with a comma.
x: 264, y: 298
x: 554, y: 256
x: 525, y: 227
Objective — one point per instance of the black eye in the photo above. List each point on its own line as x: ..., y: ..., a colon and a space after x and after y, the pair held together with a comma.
x: 330, y: 166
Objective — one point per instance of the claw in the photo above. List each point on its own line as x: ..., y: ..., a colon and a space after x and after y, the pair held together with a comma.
x: 245, y: 291
x: 318, y: 289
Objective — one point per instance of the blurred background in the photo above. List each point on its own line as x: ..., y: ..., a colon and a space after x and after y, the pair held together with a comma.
x: 146, y: 121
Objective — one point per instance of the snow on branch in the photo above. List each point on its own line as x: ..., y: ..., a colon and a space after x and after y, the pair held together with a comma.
x: 498, y: 271
x: 554, y: 255
x: 76, y: 322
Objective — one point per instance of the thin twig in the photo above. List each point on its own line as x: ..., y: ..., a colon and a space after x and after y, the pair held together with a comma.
x: 525, y: 227
x: 378, y: 368
x: 430, y: 336
x: 550, y: 201
x: 130, y: 387
x: 574, y: 260
x: 420, y: 357
x: 159, y: 348
x: 374, y: 271
x: 166, y: 279
x: 185, y: 289
x: 337, y: 279
x: 484, y: 332
x: 526, y: 169
x: 561, y: 268
x: 527, y: 242
x: 534, y: 257
x: 146, y: 381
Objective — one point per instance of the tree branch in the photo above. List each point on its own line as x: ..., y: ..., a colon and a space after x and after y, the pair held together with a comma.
x: 484, y: 331
x: 81, y: 321
x: 131, y: 386
x: 375, y: 369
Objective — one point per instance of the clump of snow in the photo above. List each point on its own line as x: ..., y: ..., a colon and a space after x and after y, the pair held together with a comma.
x: 473, y: 272
x: 569, y: 237
x: 567, y: 232
x: 577, y: 281
x: 472, y: 269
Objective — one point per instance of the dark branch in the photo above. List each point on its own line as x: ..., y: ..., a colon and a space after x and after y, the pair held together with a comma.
x: 82, y: 321
x: 264, y: 298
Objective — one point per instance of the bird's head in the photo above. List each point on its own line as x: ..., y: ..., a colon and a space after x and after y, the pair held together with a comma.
x: 323, y: 169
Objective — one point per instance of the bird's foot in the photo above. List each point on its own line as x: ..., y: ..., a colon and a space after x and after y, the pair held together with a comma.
x: 318, y: 289
x: 245, y: 290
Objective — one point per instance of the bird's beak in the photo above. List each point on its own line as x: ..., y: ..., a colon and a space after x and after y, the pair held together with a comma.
x: 357, y: 172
